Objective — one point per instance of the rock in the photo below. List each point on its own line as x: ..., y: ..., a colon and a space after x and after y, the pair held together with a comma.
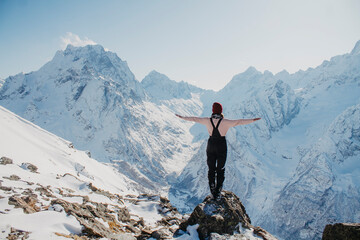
x: 7, y: 189
x: 221, y: 217
x: 102, y: 192
x: 6, y: 160
x: 29, y: 166
x: 145, y: 234
x: 87, y: 215
x: 264, y: 234
x: 27, y: 203
x: 216, y: 236
x: 123, y: 214
x: 162, y: 233
x: 88, y: 153
x: 17, y: 234
x: 45, y: 191
x: 13, y: 178
x: 226, y: 217
x: 343, y: 231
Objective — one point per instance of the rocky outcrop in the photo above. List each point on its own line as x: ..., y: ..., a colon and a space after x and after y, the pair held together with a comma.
x: 225, y: 217
x: 17, y: 234
x: 6, y: 160
x: 27, y: 203
x: 343, y: 231
x: 30, y: 167
x: 88, y: 215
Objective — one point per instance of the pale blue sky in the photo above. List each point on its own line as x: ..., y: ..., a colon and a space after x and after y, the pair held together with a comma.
x: 203, y: 42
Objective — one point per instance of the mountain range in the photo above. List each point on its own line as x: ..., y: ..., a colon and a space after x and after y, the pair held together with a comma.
x: 296, y: 170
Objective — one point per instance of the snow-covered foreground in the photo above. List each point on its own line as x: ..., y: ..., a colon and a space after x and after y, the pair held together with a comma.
x: 39, y: 167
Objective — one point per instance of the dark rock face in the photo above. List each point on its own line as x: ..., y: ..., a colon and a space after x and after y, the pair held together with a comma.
x: 343, y: 231
x: 224, y: 217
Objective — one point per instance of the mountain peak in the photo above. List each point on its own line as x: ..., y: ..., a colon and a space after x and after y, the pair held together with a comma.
x: 155, y: 75
x: 160, y: 86
x: 251, y: 70
x: 356, y: 49
x: 88, y: 48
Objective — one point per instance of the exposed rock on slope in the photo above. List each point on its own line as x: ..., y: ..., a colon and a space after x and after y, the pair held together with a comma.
x: 343, y: 231
x: 225, y: 217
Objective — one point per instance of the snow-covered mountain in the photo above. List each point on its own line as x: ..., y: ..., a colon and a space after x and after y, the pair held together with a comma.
x: 90, y: 96
x: 301, y: 157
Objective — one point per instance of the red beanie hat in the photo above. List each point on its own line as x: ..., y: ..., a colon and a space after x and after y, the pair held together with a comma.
x: 217, y: 108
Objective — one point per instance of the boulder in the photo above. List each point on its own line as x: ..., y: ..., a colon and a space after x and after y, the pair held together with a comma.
x: 226, y: 217
x: 6, y: 160
x: 343, y: 231
x: 13, y: 177
x: 30, y: 167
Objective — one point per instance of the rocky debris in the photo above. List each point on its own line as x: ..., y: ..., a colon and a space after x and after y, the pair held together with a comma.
x: 87, y: 215
x: 166, y: 206
x: 343, y: 231
x: 29, y: 166
x: 27, y: 203
x: 123, y: 214
x: 13, y: 177
x: 45, y: 191
x: 226, y: 216
x: 145, y: 234
x: 4, y: 188
x: 105, y: 193
x: 263, y: 233
x: 216, y: 236
x: 6, y: 160
x: 162, y: 233
x: 17, y: 234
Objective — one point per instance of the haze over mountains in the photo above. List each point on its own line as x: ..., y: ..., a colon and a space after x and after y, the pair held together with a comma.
x: 301, y: 158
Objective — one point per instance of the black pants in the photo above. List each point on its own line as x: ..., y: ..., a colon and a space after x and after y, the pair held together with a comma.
x: 216, y: 157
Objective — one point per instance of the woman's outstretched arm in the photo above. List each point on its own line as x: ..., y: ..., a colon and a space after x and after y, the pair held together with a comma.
x: 242, y: 121
x: 201, y: 120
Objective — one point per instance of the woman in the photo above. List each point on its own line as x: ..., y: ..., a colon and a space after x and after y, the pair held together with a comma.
x: 216, y: 150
